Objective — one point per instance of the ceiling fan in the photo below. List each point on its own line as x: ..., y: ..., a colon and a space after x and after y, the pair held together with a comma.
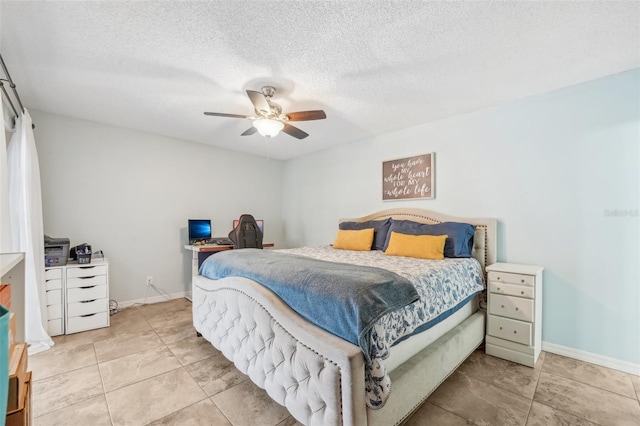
x: 269, y: 119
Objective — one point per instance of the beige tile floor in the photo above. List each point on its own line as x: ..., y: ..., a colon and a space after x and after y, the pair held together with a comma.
x: 149, y: 368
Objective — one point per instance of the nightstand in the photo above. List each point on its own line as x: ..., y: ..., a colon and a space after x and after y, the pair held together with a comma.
x: 514, y: 312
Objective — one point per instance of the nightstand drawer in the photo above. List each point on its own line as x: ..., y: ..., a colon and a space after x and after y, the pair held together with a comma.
x: 511, y: 307
x: 511, y: 289
x: 76, y: 309
x: 505, y: 277
x: 54, y: 311
x: 83, y: 294
x: 53, y: 284
x: 508, y: 329
x: 87, y: 271
x: 87, y: 322
x: 51, y: 274
x: 86, y: 281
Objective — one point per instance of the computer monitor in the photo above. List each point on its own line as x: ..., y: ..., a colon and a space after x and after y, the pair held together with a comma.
x: 199, y: 230
x: 260, y: 223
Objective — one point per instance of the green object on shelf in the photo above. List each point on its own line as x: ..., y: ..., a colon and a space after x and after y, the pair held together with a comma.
x: 4, y: 360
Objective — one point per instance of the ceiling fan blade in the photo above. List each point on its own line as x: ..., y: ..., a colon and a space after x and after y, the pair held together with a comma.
x: 221, y: 114
x: 259, y: 101
x: 294, y: 131
x: 251, y: 130
x: 307, y: 115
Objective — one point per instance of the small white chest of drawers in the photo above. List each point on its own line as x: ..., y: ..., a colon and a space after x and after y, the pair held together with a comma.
x: 54, y: 277
x: 514, y: 312
x: 77, y: 297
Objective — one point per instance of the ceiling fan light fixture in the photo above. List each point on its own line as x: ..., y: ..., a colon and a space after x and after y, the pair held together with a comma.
x: 268, y: 127
x: 269, y: 119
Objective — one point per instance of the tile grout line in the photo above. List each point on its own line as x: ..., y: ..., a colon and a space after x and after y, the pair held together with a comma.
x: 626, y: 375
x: 571, y: 414
x: 536, y: 388
x: 123, y: 387
x: 104, y: 391
x: 80, y: 401
x: 68, y: 371
x: 533, y: 397
x: 157, y: 375
x: 595, y: 387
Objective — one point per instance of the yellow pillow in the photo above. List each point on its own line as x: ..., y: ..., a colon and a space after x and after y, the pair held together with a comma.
x: 361, y: 239
x: 420, y: 246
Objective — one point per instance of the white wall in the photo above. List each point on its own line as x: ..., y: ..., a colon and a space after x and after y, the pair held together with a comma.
x: 130, y: 194
x: 549, y: 168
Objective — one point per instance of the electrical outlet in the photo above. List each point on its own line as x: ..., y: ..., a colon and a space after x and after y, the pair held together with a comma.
x: 149, y: 280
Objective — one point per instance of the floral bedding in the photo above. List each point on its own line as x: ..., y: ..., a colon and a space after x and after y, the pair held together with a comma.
x: 441, y: 285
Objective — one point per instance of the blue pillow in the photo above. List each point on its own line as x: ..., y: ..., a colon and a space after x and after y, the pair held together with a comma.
x: 380, y: 231
x: 459, y: 242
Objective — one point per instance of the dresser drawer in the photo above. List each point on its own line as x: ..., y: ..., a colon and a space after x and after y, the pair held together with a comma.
x: 90, y: 293
x: 87, y: 322
x: 54, y: 297
x: 511, y: 289
x: 54, y: 311
x: 505, y: 277
x: 51, y: 274
x: 86, y: 281
x: 508, y: 329
x: 87, y: 271
x: 53, y: 284
x: 76, y: 309
x: 511, y: 307
x: 54, y: 327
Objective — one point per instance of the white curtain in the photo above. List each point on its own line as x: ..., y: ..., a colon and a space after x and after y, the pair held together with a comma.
x: 5, y: 226
x: 27, y: 229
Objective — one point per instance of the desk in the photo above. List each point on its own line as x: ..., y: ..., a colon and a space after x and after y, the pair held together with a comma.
x: 201, y: 252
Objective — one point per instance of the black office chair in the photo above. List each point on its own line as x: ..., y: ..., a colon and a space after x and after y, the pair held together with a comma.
x: 246, y: 234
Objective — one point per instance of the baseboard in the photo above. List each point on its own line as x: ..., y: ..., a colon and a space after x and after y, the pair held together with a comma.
x: 604, y: 361
x: 155, y: 299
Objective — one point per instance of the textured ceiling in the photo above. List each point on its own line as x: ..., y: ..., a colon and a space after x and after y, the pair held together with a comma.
x: 374, y: 67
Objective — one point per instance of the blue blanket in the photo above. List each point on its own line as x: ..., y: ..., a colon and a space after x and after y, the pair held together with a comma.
x: 343, y: 299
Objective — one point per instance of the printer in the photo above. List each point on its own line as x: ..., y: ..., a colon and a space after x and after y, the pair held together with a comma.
x: 56, y: 251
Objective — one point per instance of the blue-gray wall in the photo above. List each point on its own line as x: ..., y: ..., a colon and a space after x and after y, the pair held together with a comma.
x: 559, y: 171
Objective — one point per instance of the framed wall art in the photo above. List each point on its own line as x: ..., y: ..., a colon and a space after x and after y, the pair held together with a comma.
x: 408, y: 178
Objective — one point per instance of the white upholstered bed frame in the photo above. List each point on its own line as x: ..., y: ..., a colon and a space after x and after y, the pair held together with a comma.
x: 317, y: 376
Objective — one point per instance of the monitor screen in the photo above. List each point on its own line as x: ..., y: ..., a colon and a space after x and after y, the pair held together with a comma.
x: 260, y: 223
x: 199, y: 229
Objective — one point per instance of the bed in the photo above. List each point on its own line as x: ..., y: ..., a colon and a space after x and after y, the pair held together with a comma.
x: 319, y: 377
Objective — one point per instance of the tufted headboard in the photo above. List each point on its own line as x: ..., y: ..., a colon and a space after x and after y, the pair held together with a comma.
x: 484, y: 241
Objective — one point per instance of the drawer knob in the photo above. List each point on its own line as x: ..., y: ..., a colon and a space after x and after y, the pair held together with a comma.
x: 502, y: 306
x: 522, y: 292
x: 515, y: 332
x: 522, y: 281
x: 498, y: 288
x: 500, y: 328
x: 498, y: 278
x: 516, y: 308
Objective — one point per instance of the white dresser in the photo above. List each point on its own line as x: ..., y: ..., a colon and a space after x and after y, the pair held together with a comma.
x: 77, y: 297
x: 514, y: 312
x: 54, y: 277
